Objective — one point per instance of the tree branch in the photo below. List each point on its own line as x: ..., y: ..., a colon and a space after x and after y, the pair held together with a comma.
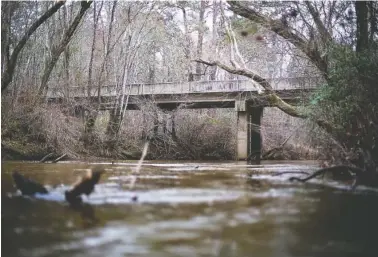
x: 240, y: 71
x: 326, y: 37
x: 269, y: 94
x: 282, y: 30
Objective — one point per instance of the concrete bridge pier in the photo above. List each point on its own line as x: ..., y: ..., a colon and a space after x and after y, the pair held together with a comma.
x: 168, y: 123
x: 160, y: 123
x: 249, y: 141
x: 255, y: 139
x: 79, y: 112
x: 144, y: 126
x: 156, y: 124
x: 173, y: 126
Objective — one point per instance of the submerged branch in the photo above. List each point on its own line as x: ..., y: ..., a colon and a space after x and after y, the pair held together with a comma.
x: 290, y: 172
x: 334, y: 169
x: 240, y: 71
x: 361, y: 177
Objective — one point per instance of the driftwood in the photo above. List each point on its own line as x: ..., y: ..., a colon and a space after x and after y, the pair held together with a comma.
x: 334, y: 169
x: 59, y: 158
x: 44, y: 159
x: 360, y: 176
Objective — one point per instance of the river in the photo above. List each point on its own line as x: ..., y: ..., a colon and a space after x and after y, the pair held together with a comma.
x: 188, y: 209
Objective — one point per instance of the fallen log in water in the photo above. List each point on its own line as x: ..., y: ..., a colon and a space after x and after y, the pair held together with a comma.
x: 44, y: 159
x: 59, y: 158
x: 360, y: 176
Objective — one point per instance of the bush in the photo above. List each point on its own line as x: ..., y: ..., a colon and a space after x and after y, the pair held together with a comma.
x: 349, y: 102
x: 27, y: 125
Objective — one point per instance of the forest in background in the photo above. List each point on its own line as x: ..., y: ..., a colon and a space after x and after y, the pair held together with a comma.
x: 93, y: 44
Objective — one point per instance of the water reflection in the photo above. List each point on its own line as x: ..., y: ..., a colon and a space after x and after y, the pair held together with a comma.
x: 87, y: 213
x: 188, y: 212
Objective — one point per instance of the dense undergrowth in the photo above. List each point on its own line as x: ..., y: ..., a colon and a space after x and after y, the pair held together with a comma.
x: 32, y: 131
x: 348, y: 101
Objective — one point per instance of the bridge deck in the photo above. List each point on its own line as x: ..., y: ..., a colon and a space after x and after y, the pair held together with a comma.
x: 196, y: 94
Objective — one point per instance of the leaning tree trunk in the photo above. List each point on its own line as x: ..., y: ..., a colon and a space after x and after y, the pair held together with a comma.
x: 7, y: 74
x: 57, y: 50
x: 269, y: 95
x: 6, y: 16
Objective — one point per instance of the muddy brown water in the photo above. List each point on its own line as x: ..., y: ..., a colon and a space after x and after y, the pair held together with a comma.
x: 188, y: 209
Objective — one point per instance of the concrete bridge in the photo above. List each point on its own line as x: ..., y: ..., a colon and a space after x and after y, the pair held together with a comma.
x: 241, y: 95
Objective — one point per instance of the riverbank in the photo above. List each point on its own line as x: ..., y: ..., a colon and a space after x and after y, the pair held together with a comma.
x: 29, y: 151
x: 16, y: 150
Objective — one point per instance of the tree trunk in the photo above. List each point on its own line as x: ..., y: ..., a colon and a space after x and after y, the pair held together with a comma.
x: 7, y: 75
x: 187, y: 44
x: 200, y: 38
x: 107, y: 52
x: 57, y: 51
x: 213, y: 70
x: 96, y: 16
x: 362, y: 26
x: 66, y: 59
x: 373, y: 8
x: 6, y: 16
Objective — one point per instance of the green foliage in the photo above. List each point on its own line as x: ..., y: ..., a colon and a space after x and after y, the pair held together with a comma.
x: 244, y: 25
x: 242, y: 28
x: 349, y: 98
x: 352, y: 85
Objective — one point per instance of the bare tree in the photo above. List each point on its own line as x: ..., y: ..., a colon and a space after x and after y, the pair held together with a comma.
x: 10, y: 64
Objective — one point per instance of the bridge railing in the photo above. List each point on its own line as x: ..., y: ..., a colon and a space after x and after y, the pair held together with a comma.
x: 182, y: 87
